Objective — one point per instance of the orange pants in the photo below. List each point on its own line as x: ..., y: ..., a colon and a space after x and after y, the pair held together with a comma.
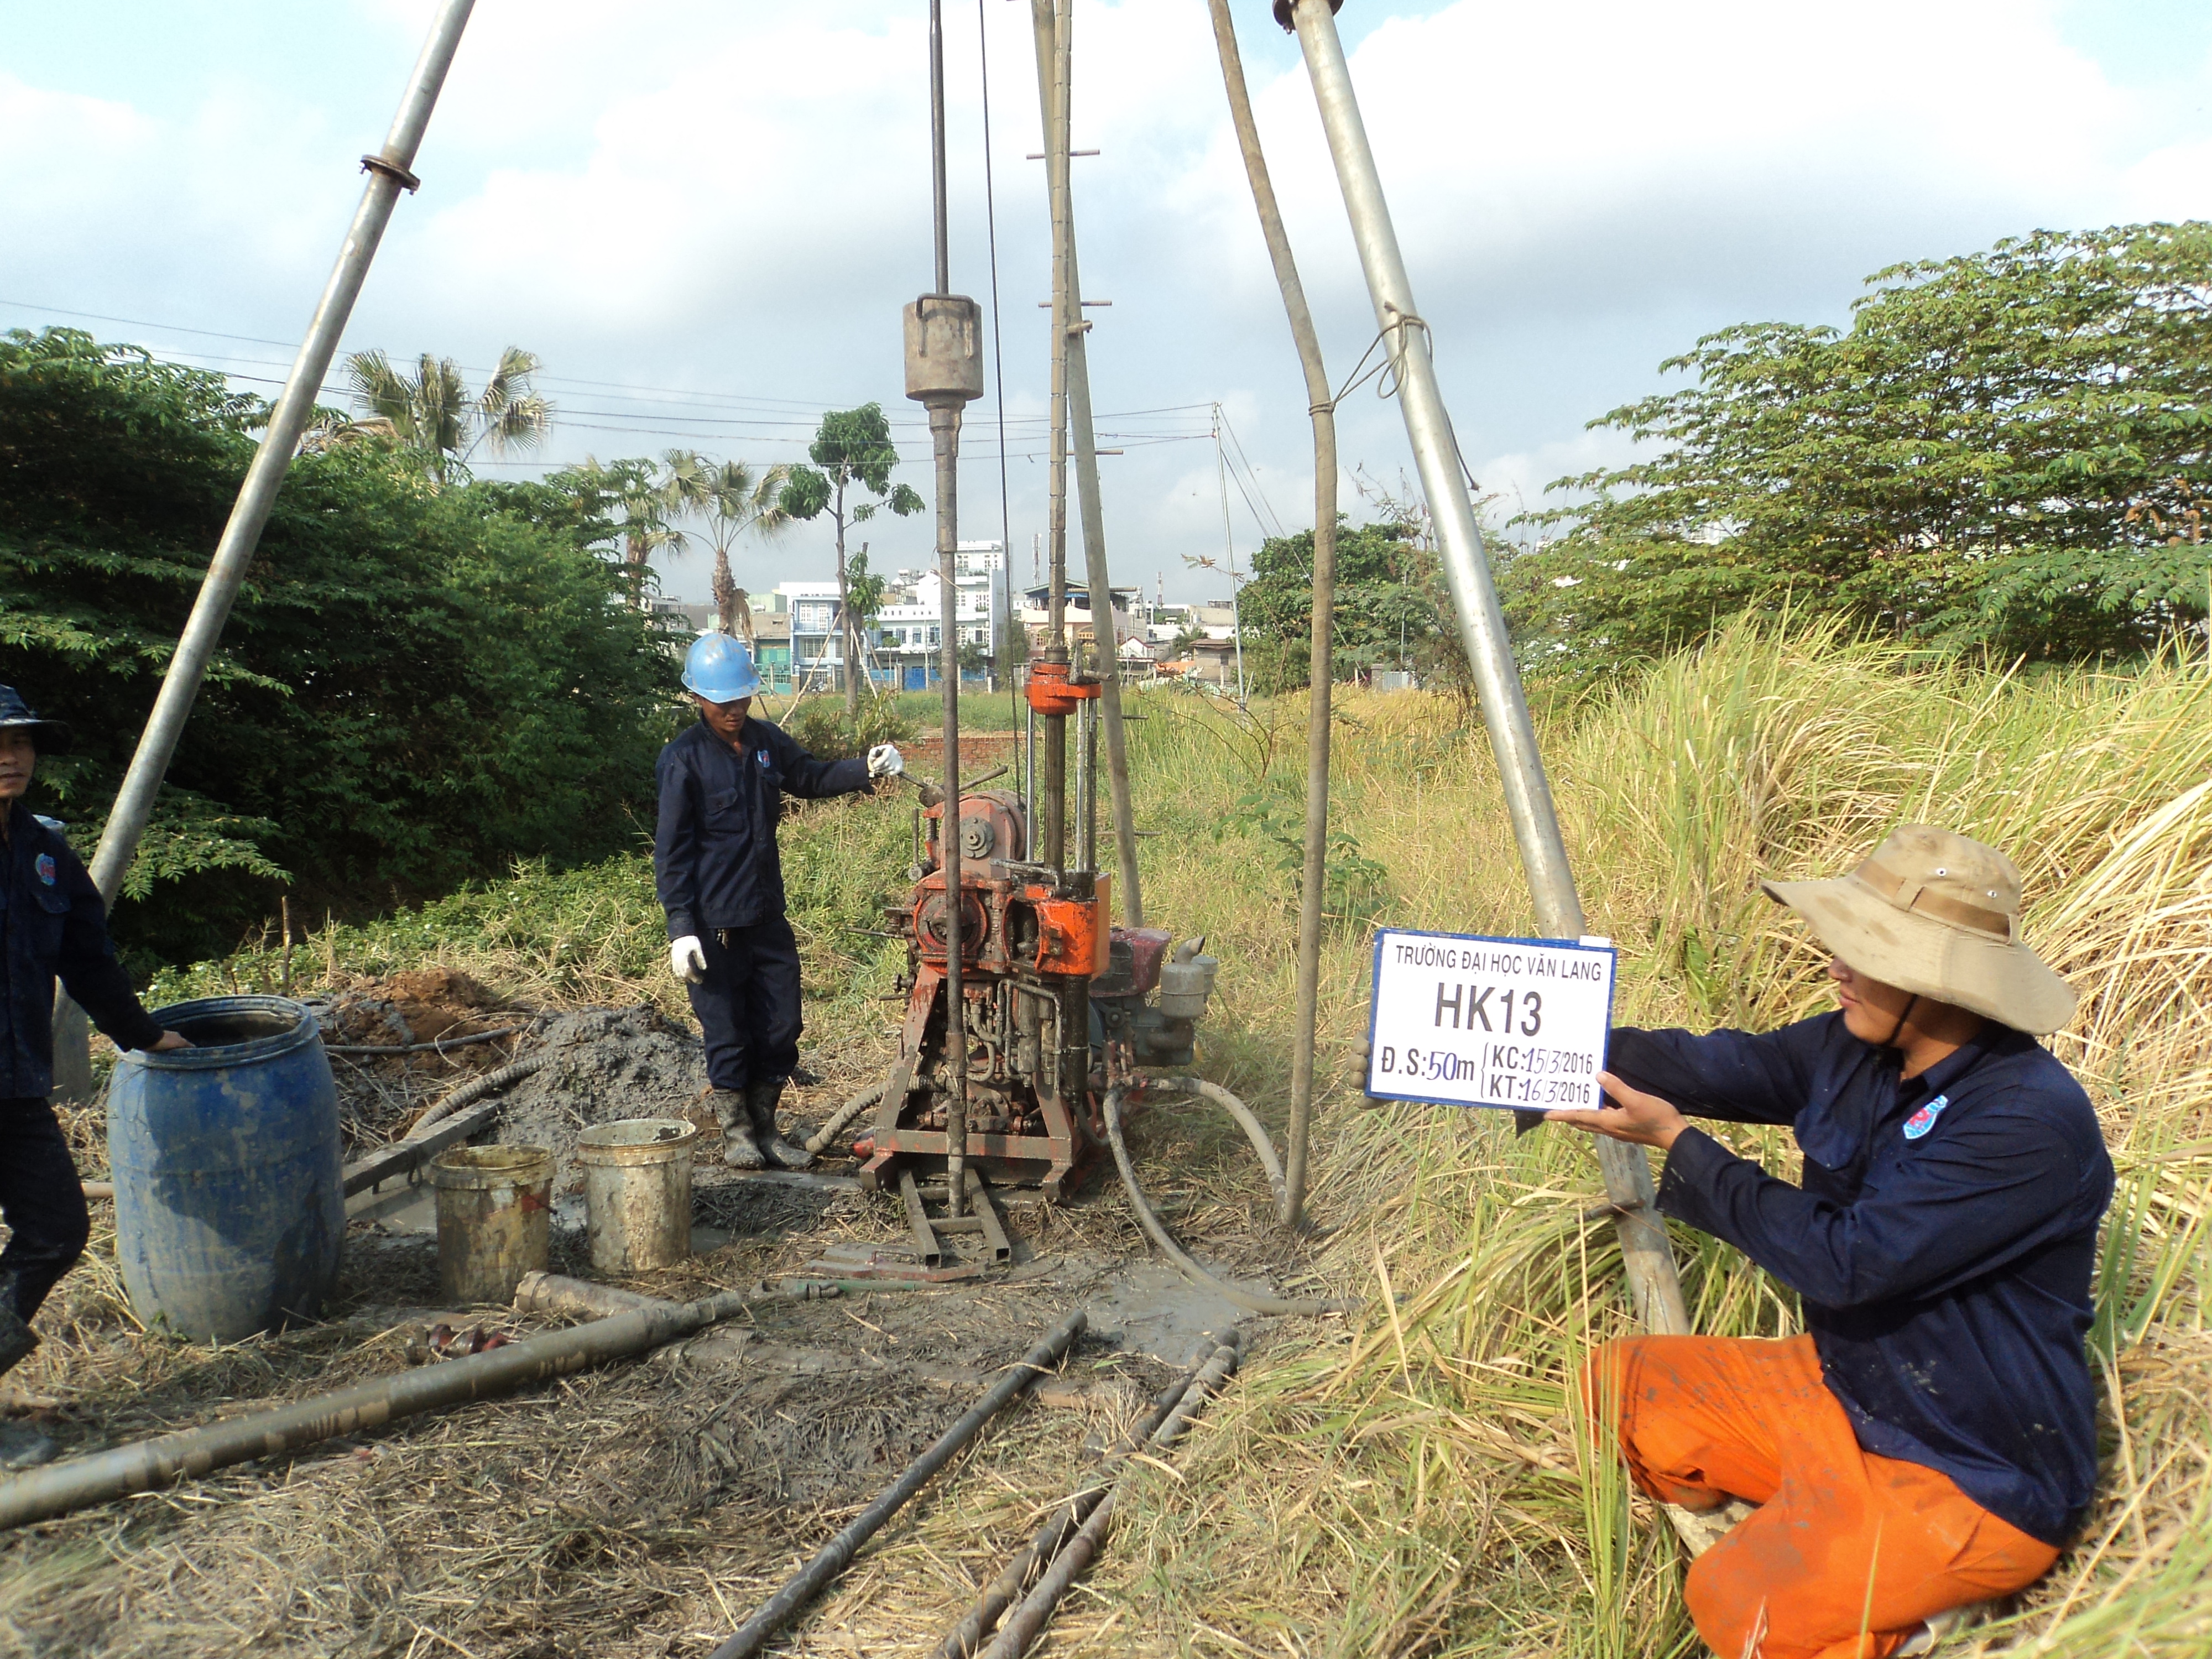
x: 1848, y: 1552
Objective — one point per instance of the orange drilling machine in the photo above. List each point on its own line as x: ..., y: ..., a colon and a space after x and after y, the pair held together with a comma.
x: 1057, y: 1006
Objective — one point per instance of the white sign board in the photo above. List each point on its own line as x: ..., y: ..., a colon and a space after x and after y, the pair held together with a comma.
x: 1467, y: 1021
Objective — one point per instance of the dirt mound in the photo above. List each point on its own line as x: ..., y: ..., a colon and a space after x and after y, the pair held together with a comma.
x: 418, y: 1007
x: 607, y: 1063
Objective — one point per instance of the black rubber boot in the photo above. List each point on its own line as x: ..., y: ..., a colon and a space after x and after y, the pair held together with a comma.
x: 732, y: 1111
x: 761, y: 1098
x: 17, y: 1338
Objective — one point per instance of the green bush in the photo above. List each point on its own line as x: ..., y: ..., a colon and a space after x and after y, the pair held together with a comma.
x: 2010, y: 450
x: 415, y: 687
x: 819, y: 726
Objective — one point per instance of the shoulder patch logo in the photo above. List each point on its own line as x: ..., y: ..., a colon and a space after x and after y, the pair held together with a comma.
x: 46, y: 868
x: 761, y: 759
x: 1924, y: 1120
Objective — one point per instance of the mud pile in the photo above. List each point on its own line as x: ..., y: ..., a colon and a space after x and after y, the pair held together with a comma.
x: 606, y: 1064
x: 419, y: 1006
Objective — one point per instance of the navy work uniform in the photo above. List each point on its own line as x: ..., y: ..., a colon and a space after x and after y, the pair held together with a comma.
x: 52, y: 925
x: 718, y: 876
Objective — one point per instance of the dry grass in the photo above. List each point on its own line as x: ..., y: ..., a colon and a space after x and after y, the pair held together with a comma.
x: 1419, y: 1487
x: 1408, y: 1484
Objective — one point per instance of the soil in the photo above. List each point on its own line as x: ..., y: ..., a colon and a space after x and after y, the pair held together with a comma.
x: 607, y: 1064
x: 640, y: 1508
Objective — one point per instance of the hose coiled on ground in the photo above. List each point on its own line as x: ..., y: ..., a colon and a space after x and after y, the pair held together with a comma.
x: 1185, y: 1263
x: 475, y: 1090
x: 844, y: 1115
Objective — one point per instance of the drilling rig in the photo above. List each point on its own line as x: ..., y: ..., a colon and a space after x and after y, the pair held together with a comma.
x: 1024, y: 1005
x: 1057, y: 1005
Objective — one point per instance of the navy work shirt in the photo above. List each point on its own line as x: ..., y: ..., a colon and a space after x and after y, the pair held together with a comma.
x: 52, y: 923
x: 714, y: 862
x: 1942, y: 1241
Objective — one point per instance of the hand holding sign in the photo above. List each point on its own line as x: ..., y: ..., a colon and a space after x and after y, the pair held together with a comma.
x: 1628, y: 1114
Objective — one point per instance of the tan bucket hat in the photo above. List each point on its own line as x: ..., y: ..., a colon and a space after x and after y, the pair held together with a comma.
x: 1937, y: 915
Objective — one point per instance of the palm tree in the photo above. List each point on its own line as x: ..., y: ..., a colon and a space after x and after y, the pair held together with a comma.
x: 731, y: 498
x: 632, y: 497
x: 431, y: 415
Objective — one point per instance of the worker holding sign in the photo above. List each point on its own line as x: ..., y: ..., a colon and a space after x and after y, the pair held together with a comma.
x: 1930, y: 1441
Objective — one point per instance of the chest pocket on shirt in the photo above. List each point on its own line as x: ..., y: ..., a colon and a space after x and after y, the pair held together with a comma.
x: 46, y: 916
x: 724, y: 807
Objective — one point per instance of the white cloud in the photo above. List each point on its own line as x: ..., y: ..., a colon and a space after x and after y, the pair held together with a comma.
x: 733, y: 197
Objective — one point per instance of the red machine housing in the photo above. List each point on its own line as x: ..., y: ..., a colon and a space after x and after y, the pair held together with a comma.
x: 1031, y: 939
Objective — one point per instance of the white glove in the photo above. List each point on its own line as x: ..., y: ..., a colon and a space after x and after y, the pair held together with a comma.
x: 883, y: 762
x: 687, y: 959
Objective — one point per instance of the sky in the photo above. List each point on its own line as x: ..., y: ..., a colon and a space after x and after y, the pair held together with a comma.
x: 704, y: 215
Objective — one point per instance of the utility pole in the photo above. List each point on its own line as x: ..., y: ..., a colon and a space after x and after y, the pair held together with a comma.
x: 390, y: 171
x: 1649, y: 1261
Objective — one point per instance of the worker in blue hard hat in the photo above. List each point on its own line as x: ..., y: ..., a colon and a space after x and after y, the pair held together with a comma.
x: 716, y: 867
x: 52, y: 925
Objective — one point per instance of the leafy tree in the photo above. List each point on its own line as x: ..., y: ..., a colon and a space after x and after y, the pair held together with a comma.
x: 417, y: 686
x: 2010, y: 450
x: 629, y: 501
x: 865, y: 594
x: 432, y: 418
x: 1389, y: 602
x: 852, y: 450
x: 731, y: 498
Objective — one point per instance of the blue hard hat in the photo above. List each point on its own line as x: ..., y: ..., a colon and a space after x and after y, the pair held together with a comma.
x: 720, y: 669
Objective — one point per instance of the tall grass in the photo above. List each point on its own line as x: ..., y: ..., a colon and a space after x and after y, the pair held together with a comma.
x: 1419, y: 1484
x: 1415, y: 1481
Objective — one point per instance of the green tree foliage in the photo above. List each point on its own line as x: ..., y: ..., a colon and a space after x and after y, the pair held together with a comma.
x: 2010, y: 450
x: 629, y: 504
x: 852, y: 450
x: 1390, y: 603
x: 416, y: 686
x: 731, y: 498
x: 433, y: 419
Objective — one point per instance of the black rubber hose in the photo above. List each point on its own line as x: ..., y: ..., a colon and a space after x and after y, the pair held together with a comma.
x: 845, y: 1113
x: 1152, y: 1224
x: 471, y: 1093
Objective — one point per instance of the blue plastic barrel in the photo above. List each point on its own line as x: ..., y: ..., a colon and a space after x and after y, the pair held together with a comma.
x: 229, y: 1196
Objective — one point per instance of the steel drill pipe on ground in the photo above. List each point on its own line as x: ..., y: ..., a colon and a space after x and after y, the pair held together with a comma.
x: 1036, y: 1609
x: 833, y: 1557
x: 1185, y: 1262
x: 148, y: 1464
x: 1651, y: 1262
x: 965, y: 1638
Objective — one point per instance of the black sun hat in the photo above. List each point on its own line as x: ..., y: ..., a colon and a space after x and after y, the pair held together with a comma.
x: 53, y: 736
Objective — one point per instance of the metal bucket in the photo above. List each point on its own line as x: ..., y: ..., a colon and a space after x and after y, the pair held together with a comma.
x: 495, y: 1220
x: 637, y: 1192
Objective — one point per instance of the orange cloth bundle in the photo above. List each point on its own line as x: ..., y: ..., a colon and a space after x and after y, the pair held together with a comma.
x: 1848, y: 1552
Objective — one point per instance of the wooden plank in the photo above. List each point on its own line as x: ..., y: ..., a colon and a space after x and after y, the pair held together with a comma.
x: 406, y: 1155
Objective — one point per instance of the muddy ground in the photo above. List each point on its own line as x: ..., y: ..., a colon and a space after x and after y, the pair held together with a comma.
x: 645, y: 1508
